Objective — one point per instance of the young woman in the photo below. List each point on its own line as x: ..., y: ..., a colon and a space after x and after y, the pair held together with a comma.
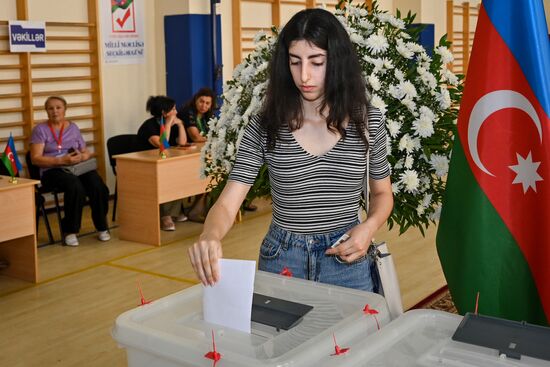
x: 196, y: 113
x: 149, y: 132
x: 56, y: 143
x: 315, y: 132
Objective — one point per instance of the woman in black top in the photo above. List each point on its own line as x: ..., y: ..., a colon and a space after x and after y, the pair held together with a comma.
x: 196, y: 113
x: 149, y: 132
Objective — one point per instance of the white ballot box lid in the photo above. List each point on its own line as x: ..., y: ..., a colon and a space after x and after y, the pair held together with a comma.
x: 171, y: 331
x: 423, y: 338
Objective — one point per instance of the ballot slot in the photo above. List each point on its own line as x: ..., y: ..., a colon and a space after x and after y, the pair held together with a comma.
x: 511, y: 338
x: 276, y: 312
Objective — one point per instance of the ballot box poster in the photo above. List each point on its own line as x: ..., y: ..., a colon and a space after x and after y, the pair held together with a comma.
x: 123, y: 31
x: 27, y: 36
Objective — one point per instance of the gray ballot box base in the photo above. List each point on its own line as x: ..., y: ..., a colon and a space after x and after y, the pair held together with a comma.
x: 512, y: 338
x: 278, y: 313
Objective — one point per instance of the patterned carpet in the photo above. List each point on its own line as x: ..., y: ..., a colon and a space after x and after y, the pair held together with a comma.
x: 440, y: 300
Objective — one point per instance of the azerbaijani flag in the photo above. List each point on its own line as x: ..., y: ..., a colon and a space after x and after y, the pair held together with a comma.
x: 10, y: 159
x: 494, y: 232
x: 163, y: 139
x: 122, y: 4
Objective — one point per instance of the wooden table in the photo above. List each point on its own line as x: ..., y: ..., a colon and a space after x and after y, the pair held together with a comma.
x: 145, y: 180
x: 18, y: 228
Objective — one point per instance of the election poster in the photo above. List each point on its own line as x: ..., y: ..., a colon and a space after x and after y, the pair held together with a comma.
x: 122, y: 24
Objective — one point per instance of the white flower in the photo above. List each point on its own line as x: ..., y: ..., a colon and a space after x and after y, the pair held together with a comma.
x: 424, y: 184
x: 449, y: 77
x: 395, y: 188
x: 394, y: 127
x: 404, y: 50
x: 388, y: 64
x: 427, y: 78
x: 408, y: 144
x: 384, y: 17
x: 263, y: 66
x: 399, y: 164
x: 409, y: 180
x: 443, y: 98
x: 395, y: 91
x: 423, y: 125
x: 440, y: 164
x: 258, y: 37
x: 377, y: 44
x: 397, y: 23
x: 404, y: 35
x: 343, y: 20
x: 379, y: 103
x: 409, y: 103
x: 415, y: 47
x: 399, y: 75
x: 357, y: 38
x: 420, y: 209
x: 446, y: 55
x: 374, y: 82
x: 408, y: 89
x: 248, y: 73
x: 369, y: 27
x: 230, y: 149
x: 235, y: 122
x: 237, y: 71
x: 355, y: 11
x: 408, y: 162
x: 427, y: 200
x: 405, y: 89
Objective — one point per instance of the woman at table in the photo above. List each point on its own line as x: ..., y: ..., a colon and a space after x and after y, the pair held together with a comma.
x: 56, y: 143
x: 164, y: 108
x: 196, y: 113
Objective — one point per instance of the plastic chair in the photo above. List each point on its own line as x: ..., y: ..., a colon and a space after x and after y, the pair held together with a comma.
x: 122, y: 144
x: 34, y: 173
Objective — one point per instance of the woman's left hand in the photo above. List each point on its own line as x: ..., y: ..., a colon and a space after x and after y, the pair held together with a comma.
x: 84, y: 154
x: 356, y: 246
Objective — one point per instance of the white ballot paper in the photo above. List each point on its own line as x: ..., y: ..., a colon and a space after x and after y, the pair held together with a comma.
x: 229, y: 301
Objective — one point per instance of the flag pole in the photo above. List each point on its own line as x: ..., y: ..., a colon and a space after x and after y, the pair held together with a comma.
x: 161, y: 145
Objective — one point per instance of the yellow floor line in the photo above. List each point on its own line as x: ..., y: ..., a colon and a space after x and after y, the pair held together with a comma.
x: 137, y: 270
x: 110, y: 263
x: 60, y: 276
x: 26, y: 286
x: 93, y: 266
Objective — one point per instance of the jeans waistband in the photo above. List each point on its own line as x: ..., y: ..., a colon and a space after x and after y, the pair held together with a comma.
x: 282, y: 235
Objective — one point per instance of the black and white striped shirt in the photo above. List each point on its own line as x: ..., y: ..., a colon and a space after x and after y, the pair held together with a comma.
x: 313, y: 194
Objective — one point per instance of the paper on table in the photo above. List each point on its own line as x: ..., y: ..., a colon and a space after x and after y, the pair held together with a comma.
x: 229, y: 301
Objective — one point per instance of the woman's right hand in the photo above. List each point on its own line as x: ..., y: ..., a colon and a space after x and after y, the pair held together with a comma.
x: 204, y: 256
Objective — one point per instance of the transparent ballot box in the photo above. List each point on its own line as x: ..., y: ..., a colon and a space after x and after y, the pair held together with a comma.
x: 171, y: 331
x: 425, y: 338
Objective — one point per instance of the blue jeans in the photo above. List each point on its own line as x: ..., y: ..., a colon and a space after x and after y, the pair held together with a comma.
x: 304, y: 255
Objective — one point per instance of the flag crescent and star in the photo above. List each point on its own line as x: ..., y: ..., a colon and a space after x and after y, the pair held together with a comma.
x: 493, y: 235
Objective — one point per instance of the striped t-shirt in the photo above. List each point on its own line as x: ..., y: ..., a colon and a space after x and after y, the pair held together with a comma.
x: 313, y: 193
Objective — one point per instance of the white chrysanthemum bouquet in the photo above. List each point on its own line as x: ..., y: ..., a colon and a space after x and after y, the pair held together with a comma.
x: 416, y: 92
